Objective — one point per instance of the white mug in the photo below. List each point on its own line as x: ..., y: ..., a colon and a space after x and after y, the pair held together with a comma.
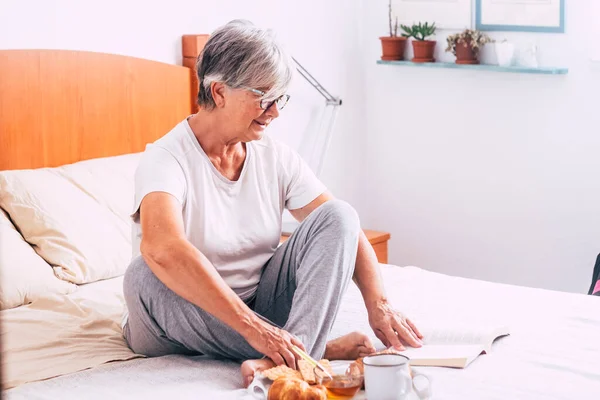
x: 387, y: 377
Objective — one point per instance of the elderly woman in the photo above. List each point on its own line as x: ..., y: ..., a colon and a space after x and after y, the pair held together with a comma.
x: 209, y: 277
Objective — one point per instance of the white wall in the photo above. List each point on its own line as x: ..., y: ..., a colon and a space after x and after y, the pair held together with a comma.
x: 488, y: 175
x: 323, y: 36
x: 478, y: 174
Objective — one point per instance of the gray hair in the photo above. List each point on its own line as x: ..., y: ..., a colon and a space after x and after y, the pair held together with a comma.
x: 240, y: 54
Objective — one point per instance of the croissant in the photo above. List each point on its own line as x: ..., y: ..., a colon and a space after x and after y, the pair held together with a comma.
x: 296, y: 389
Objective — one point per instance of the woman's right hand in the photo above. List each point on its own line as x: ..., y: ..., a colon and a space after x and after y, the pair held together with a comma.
x: 274, y: 343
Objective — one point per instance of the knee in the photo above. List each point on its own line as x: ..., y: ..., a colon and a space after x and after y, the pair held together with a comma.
x: 137, y: 278
x: 341, y: 217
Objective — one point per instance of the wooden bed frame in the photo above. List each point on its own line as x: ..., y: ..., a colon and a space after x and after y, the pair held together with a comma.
x: 60, y: 106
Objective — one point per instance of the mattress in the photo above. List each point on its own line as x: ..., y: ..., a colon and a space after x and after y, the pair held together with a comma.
x: 553, y: 351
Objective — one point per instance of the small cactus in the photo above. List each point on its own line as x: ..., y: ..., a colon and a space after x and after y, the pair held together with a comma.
x: 419, y: 31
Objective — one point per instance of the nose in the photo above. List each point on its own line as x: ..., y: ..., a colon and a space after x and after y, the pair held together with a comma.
x: 272, y: 111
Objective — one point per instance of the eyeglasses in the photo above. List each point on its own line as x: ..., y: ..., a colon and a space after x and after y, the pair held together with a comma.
x: 265, y: 104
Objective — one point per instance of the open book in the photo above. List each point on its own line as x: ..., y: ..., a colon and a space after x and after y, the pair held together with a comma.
x: 453, y: 346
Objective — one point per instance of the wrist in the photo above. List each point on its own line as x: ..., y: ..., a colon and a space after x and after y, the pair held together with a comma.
x: 249, y: 324
x: 375, y: 303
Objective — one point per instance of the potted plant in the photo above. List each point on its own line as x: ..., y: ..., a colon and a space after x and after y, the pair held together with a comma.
x: 423, y: 49
x: 466, y: 45
x: 392, y: 46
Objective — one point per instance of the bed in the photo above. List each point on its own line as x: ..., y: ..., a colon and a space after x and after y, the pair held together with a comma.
x: 72, y: 126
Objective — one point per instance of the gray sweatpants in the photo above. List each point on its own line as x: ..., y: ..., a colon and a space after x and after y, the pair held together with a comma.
x: 300, y: 289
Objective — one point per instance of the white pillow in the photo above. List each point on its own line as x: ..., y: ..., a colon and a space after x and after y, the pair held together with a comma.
x: 76, y: 216
x: 24, y: 276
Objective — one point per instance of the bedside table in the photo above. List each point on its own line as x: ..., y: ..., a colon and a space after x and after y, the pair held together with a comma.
x: 379, y: 241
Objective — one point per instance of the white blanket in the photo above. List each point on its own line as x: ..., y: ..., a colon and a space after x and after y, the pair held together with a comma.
x: 553, y: 351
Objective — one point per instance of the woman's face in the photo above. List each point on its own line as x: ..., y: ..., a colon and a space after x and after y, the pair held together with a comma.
x: 244, y: 114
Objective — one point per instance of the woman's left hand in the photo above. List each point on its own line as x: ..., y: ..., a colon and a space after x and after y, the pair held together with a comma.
x: 393, y: 328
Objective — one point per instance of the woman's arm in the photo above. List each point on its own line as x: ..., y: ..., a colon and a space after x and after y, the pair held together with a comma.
x: 188, y: 273
x: 389, y: 325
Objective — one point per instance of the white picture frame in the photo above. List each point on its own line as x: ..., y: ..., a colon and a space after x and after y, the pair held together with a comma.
x: 447, y: 14
x: 521, y: 15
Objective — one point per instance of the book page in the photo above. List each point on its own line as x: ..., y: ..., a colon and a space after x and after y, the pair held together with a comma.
x: 456, y: 335
x: 462, y: 335
x: 453, y: 345
x: 448, y: 344
x: 443, y: 355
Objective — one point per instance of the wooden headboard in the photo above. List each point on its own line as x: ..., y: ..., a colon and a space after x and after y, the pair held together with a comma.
x: 59, y: 106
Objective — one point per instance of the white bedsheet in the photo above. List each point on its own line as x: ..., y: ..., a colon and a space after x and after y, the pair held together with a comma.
x: 553, y: 351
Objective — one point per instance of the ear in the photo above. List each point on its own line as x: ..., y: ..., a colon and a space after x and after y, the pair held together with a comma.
x: 217, y: 90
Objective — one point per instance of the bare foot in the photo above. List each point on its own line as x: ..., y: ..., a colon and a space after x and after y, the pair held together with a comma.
x: 250, y: 367
x: 349, y: 347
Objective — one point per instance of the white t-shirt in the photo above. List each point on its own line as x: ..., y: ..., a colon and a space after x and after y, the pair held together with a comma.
x: 235, y: 224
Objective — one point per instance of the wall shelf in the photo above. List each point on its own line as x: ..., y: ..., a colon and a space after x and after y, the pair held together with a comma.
x: 481, y: 67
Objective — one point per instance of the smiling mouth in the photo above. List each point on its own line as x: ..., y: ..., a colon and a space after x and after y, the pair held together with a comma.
x: 261, y: 124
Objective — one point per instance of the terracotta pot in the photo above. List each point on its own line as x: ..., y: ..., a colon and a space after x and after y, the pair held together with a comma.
x: 465, y: 54
x: 393, y: 47
x: 423, y: 50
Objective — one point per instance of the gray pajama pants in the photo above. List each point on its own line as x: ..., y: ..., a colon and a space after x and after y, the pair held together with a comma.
x: 300, y: 289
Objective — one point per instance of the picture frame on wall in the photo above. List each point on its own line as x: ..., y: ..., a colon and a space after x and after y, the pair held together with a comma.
x: 447, y: 14
x: 520, y: 15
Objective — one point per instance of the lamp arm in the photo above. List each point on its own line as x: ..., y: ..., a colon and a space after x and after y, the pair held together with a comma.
x: 331, y: 102
x: 330, y: 99
x: 328, y: 136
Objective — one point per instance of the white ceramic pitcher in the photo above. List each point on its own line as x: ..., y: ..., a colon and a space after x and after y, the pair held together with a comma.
x: 505, y: 53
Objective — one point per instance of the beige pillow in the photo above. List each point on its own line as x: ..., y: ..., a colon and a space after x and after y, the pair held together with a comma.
x: 24, y: 276
x: 75, y: 216
x: 109, y: 181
